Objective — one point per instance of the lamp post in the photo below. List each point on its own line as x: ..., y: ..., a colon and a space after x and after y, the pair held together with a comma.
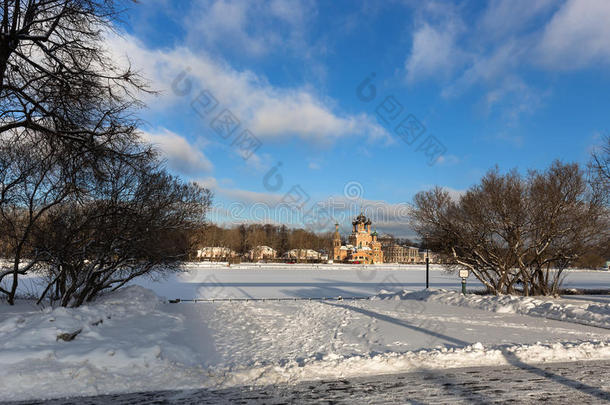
x: 427, y: 263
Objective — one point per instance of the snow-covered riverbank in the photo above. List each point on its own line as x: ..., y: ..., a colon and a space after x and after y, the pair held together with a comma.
x: 132, y: 340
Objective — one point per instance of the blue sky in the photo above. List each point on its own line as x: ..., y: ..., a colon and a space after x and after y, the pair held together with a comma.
x: 514, y: 83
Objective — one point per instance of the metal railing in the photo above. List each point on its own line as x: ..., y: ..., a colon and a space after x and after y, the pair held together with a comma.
x: 179, y: 300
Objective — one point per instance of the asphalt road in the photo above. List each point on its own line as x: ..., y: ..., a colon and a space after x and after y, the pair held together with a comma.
x: 575, y: 383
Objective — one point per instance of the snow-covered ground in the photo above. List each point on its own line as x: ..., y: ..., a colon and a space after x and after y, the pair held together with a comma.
x: 132, y: 340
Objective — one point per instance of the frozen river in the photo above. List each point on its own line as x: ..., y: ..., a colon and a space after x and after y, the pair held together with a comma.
x: 317, y: 281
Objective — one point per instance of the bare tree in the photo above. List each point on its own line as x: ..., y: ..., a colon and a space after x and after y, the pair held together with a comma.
x: 600, y: 165
x: 136, y: 225
x: 65, y: 103
x: 56, y: 77
x: 511, y: 230
x: 33, y: 179
x: 468, y: 231
x: 568, y: 220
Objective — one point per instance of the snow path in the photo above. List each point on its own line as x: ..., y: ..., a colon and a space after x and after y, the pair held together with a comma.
x: 575, y: 383
x: 278, y: 342
x: 276, y: 331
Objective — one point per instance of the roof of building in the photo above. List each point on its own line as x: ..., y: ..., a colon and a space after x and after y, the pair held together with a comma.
x: 361, y: 219
x: 263, y: 247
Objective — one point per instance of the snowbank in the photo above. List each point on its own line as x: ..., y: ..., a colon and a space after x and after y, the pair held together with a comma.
x: 333, y: 366
x: 122, y: 346
x: 592, y: 314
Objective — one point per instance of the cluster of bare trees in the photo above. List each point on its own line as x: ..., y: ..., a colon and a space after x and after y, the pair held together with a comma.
x: 515, y: 232
x: 82, y: 200
x: 242, y: 238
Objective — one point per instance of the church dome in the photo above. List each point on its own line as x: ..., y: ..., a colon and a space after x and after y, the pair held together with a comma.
x: 361, y: 219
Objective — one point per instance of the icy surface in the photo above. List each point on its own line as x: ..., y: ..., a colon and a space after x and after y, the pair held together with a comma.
x: 212, y: 280
x: 264, y: 280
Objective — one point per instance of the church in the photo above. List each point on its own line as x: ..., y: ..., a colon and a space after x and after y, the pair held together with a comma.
x: 363, y: 245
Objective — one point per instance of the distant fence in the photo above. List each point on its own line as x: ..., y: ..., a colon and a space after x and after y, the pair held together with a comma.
x: 179, y: 300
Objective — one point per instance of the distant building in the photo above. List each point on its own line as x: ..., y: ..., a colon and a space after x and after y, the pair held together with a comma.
x: 303, y: 254
x: 216, y: 253
x: 395, y: 253
x: 386, y: 240
x: 363, y: 245
x: 434, y: 258
x: 262, y: 253
x: 413, y: 255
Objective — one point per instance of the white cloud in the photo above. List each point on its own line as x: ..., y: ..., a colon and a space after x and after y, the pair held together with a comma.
x: 517, y: 98
x: 252, y: 197
x: 223, y: 20
x: 577, y: 36
x: 507, y: 18
x: 433, y: 53
x: 448, y: 160
x: 242, y: 196
x: 509, y: 137
x: 454, y: 194
x: 208, y: 182
x: 249, y: 27
x: 489, y: 53
x: 268, y: 111
x: 314, y: 165
x: 508, y: 35
x: 180, y: 155
x: 486, y: 68
x: 485, y: 55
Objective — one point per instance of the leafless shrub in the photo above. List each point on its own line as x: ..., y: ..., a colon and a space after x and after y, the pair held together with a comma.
x: 516, y: 231
x: 137, y: 224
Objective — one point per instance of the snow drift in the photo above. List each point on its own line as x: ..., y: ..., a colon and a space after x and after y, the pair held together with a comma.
x: 586, y: 313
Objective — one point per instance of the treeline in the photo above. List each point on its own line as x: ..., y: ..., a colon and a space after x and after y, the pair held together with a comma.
x: 244, y: 237
x: 518, y: 233
x: 83, y: 202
